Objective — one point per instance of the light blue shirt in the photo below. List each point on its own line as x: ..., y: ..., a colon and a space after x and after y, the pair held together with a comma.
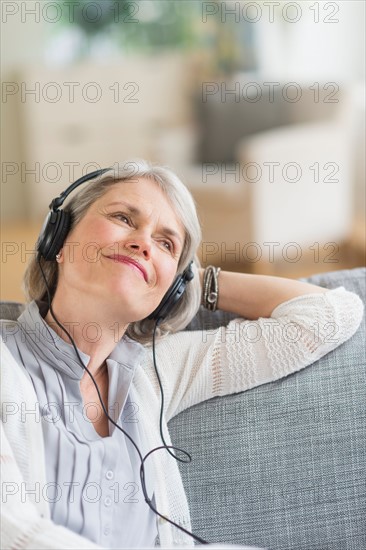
x: 93, y: 482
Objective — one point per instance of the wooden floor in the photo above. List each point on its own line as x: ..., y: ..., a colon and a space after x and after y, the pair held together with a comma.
x: 18, y: 244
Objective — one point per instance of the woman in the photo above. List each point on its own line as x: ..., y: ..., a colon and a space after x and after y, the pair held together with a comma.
x: 71, y: 478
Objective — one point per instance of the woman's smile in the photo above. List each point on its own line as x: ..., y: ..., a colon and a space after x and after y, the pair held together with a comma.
x: 125, y: 260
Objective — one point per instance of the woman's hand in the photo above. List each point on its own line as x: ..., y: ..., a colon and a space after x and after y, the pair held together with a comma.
x: 254, y: 296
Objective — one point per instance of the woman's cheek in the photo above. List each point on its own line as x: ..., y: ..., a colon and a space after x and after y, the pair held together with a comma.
x: 172, y: 276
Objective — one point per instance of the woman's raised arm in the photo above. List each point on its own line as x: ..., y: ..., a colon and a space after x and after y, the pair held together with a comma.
x: 253, y: 296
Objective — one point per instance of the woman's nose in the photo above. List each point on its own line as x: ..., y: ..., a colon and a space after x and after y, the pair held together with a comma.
x: 140, y: 245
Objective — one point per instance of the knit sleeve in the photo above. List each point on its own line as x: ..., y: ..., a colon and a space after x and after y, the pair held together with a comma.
x: 22, y: 527
x: 200, y: 365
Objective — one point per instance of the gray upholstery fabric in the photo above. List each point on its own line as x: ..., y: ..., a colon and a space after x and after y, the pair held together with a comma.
x: 10, y: 310
x: 282, y: 466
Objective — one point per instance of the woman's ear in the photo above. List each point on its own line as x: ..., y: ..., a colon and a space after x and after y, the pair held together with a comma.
x: 59, y: 257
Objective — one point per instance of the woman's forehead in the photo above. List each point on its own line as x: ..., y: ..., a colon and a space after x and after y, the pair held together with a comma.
x: 145, y: 191
x: 142, y: 196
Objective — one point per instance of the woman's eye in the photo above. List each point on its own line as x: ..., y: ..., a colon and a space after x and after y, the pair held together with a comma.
x: 122, y: 217
x: 168, y: 245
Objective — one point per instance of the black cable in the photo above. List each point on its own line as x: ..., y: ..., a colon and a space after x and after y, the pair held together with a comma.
x: 142, y: 469
x: 162, y: 403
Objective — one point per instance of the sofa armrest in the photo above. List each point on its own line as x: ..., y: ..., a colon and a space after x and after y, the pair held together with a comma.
x: 294, y: 171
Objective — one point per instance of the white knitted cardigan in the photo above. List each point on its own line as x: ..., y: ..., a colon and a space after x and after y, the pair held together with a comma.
x: 193, y: 367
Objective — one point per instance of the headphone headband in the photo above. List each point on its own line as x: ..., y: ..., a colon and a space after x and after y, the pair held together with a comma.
x: 58, y: 201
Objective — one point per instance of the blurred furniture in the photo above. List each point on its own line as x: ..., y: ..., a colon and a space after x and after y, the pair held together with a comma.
x: 229, y: 110
x: 297, y: 153
x: 75, y: 119
x: 300, y: 163
x: 305, y: 206
x: 282, y: 466
x: 277, y: 180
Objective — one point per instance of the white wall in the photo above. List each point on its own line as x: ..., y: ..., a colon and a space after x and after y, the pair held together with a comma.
x: 309, y: 51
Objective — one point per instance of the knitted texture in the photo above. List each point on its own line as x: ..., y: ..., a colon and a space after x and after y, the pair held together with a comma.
x: 299, y: 332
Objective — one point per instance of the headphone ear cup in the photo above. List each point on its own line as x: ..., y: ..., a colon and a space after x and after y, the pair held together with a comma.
x: 173, y: 295
x: 57, y: 223
x: 53, y: 235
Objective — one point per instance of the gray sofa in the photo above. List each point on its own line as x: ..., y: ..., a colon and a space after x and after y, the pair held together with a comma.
x: 281, y: 466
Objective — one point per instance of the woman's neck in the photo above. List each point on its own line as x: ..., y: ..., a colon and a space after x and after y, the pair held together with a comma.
x: 93, y: 333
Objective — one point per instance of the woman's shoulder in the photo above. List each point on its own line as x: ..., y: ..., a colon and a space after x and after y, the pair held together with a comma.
x: 11, y: 340
x: 11, y: 321
x: 14, y: 333
x: 14, y: 381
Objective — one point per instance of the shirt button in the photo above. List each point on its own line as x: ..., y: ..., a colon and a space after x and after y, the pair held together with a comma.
x: 109, y: 474
x: 107, y: 530
x: 107, y: 501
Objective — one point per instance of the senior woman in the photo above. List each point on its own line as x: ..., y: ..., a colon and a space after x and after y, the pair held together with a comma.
x: 72, y: 477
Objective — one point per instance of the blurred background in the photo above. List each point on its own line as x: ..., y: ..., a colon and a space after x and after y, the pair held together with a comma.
x: 259, y: 107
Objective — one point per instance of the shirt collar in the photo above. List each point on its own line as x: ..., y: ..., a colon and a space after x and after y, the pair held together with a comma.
x: 61, y: 354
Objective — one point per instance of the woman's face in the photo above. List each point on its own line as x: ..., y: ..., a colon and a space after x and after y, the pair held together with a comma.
x: 133, y: 220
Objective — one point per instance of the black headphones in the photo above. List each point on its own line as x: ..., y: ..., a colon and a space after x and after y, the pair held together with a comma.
x: 57, y: 225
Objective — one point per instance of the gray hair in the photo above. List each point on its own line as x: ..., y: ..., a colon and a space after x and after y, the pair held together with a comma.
x: 182, y: 203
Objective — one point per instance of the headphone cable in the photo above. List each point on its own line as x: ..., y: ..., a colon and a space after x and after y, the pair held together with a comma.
x: 142, y: 469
